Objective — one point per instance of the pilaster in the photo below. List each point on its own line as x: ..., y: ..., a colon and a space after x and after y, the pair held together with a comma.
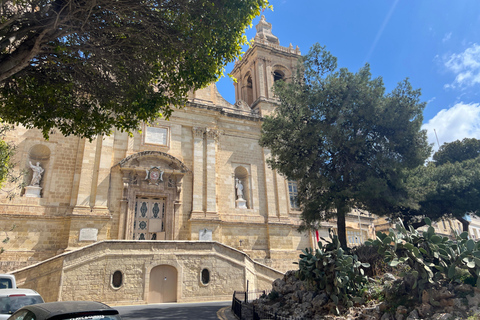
x: 270, y: 188
x: 87, y: 173
x: 122, y: 226
x: 198, y: 172
x: 211, y: 189
x: 102, y: 184
x: 261, y: 78
x: 269, y: 80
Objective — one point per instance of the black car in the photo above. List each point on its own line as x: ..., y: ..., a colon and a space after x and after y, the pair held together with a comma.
x: 67, y: 310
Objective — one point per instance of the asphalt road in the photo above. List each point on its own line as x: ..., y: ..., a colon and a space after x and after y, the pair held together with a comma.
x: 173, y: 311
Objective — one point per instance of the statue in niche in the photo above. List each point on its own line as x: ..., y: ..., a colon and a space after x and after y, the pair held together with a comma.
x: 37, y: 174
x: 239, y: 188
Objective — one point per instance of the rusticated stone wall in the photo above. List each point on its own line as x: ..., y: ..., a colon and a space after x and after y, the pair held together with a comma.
x: 86, y: 273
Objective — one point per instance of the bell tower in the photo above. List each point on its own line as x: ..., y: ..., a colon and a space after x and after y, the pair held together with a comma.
x: 265, y: 62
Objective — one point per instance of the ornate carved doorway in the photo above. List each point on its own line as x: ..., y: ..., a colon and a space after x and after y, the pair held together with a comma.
x: 149, y: 220
x: 150, y: 204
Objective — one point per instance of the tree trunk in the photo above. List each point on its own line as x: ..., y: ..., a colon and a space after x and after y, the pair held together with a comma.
x: 341, y: 229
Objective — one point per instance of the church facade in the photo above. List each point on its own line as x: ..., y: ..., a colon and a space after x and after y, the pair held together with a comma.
x: 183, y: 210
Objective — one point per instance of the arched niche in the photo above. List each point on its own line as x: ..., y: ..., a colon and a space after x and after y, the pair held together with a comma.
x: 38, y: 155
x: 242, y: 188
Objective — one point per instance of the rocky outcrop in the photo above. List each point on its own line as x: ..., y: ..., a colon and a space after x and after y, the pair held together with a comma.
x: 290, y: 297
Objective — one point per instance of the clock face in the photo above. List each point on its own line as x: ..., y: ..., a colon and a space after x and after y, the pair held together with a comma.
x: 154, y: 175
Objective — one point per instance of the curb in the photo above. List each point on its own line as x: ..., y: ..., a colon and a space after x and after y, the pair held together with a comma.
x: 226, y: 314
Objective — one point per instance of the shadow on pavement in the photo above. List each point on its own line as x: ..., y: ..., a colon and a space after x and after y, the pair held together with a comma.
x: 151, y: 312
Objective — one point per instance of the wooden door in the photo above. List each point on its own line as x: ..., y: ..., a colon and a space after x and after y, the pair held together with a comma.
x: 163, y: 284
x: 149, y: 223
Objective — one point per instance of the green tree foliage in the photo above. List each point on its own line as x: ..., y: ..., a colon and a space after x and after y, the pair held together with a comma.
x: 456, y: 189
x: 343, y: 139
x: 10, y: 180
x: 85, y: 67
x: 6, y: 154
x: 457, y: 151
x: 450, y: 186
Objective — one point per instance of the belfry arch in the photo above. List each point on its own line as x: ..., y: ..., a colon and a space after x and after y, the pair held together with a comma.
x: 248, y: 95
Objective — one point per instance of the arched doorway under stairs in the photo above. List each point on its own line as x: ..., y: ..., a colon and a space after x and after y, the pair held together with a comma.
x: 163, y: 284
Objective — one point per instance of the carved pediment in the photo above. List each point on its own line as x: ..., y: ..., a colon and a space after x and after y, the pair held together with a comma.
x: 147, y: 159
x: 242, y: 105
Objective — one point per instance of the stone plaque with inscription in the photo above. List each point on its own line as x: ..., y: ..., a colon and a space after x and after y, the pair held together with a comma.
x: 88, y: 234
x: 205, y: 235
x: 156, y: 135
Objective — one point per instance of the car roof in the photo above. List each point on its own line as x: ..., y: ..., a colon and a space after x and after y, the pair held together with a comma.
x: 52, y: 309
x: 8, y: 292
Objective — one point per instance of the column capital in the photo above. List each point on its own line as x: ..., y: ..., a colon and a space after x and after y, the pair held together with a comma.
x: 199, y: 132
x: 212, y: 134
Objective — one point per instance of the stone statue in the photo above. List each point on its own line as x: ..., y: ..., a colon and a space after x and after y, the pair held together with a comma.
x: 37, y: 173
x: 239, y: 188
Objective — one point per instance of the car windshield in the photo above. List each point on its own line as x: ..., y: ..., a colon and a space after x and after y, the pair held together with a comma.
x: 9, y: 305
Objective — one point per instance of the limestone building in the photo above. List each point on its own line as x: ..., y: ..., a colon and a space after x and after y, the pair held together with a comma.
x: 184, y: 210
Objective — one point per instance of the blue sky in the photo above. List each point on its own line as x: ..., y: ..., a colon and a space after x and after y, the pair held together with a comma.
x: 435, y: 43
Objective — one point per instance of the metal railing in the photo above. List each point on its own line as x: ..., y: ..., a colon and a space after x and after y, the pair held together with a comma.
x: 244, y: 310
x: 237, y: 306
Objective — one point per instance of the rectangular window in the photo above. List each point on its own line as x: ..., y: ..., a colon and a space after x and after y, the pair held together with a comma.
x: 355, y: 237
x: 293, y: 195
x: 156, y: 135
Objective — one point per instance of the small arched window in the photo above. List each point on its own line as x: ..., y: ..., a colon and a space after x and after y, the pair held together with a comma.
x: 205, y: 276
x: 117, y: 279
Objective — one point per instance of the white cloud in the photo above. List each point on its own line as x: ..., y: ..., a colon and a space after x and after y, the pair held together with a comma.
x: 466, y: 66
x: 447, y: 37
x: 460, y: 121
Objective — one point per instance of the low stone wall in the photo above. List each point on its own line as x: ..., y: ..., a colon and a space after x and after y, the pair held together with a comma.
x: 86, y: 273
x: 44, y: 277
